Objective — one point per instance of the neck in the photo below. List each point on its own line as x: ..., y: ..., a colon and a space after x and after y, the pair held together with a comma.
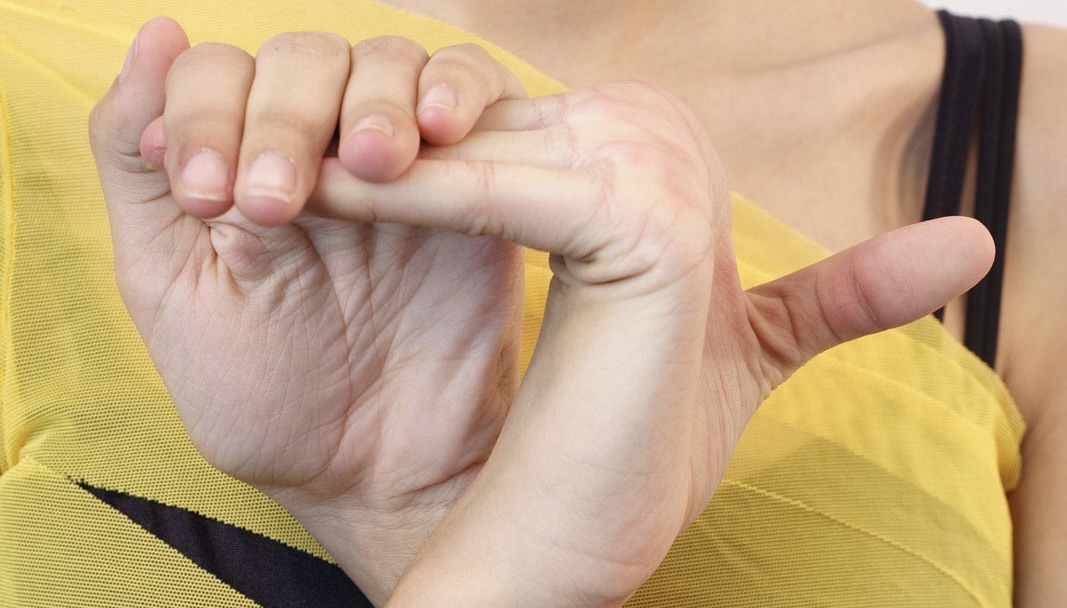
x: 789, y: 92
x: 655, y: 39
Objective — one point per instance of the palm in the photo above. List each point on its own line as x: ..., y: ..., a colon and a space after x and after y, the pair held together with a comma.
x: 375, y: 352
x: 357, y: 373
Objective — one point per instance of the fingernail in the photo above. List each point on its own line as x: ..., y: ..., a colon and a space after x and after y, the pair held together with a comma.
x: 154, y: 160
x: 376, y: 122
x: 441, y: 96
x: 272, y: 175
x: 206, y: 176
x: 131, y: 54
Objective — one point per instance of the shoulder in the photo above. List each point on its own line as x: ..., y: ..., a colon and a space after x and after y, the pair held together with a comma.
x: 1042, y: 124
x: 1033, y: 335
x: 1034, y: 317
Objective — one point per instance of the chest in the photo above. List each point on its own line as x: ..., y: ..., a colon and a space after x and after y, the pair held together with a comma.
x: 839, y: 150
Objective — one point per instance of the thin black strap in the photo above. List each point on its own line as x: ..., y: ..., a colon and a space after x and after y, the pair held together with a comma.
x: 956, y: 109
x: 996, y: 158
x: 980, y: 88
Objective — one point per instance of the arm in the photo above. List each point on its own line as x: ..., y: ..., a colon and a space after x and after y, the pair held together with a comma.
x: 1034, y: 321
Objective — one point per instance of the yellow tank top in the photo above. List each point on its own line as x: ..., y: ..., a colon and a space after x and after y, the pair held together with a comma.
x: 874, y: 477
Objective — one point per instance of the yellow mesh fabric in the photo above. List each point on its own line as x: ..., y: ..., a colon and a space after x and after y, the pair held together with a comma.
x: 874, y: 477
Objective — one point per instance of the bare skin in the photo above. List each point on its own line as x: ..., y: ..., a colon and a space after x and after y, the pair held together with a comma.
x: 798, y: 90
x: 370, y: 425
x: 785, y: 108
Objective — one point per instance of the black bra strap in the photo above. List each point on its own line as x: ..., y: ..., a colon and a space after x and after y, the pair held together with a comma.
x: 960, y: 85
x: 996, y: 158
x: 980, y: 89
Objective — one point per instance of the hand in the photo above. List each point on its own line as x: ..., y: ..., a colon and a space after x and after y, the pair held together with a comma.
x: 358, y: 373
x: 652, y: 359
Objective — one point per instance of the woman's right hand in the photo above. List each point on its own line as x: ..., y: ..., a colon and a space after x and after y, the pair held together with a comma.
x: 356, y: 372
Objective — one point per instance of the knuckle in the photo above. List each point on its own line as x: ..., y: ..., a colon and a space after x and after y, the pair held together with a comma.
x: 565, y: 143
x: 277, y: 121
x: 660, y: 207
x: 473, y: 66
x: 467, y: 55
x: 641, y: 106
x: 98, y: 122
x: 212, y: 52
x: 391, y: 47
x: 479, y: 217
x: 322, y: 46
x: 600, y: 104
x: 114, y: 137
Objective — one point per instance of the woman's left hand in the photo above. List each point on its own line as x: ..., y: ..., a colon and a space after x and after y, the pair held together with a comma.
x: 651, y: 359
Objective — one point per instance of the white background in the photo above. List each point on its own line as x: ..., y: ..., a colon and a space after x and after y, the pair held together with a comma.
x: 1045, y: 11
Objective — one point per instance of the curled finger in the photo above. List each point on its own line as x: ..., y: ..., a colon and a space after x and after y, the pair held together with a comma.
x: 378, y: 135
x: 291, y: 116
x: 456, y: 87
x: 206, y: 91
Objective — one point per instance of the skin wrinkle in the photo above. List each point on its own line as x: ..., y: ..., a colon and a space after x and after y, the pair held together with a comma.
x: 858, y: 294
x: 767, y: 308
x: 480, y: 215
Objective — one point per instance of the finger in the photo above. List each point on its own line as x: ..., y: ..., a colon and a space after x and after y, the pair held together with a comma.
x: 632, y: 107
x: 510, y: 115
x: 117, y: 122
x: 477, y: 198
x: 561, y: 130
x: 456, y: 87
x: 290, y: 118
x: 882, y: 283
x: 206, y: 93
x: 154, y: 144
x: 554, y: 147
x: 608, y: 230
x: 379, y: 137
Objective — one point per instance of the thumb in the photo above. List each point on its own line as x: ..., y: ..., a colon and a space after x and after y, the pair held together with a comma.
x: 885, y: 282
x: 135, y: 99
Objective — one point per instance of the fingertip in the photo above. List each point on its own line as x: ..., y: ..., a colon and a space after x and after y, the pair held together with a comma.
x: 137, y: 97
x: 202, y: 183
x: 166, y: 33
x: 981, y: 241
x: 267, y: 211
x: 887, y: 281
x: 153, y: 145
x: 438, y: 116
x: 377, y: 150
x: 270, y: 192
x: 456, y: 87
x: 963, y: 245
x: 153, y: 49
x: 913, y: 271
x: 203, y: 208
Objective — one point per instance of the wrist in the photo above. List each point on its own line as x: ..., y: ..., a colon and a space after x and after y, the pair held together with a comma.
x: 489, y: 552
x: 373, y: 545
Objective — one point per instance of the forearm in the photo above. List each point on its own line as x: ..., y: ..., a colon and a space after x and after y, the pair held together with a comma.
x: 560, y: 515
